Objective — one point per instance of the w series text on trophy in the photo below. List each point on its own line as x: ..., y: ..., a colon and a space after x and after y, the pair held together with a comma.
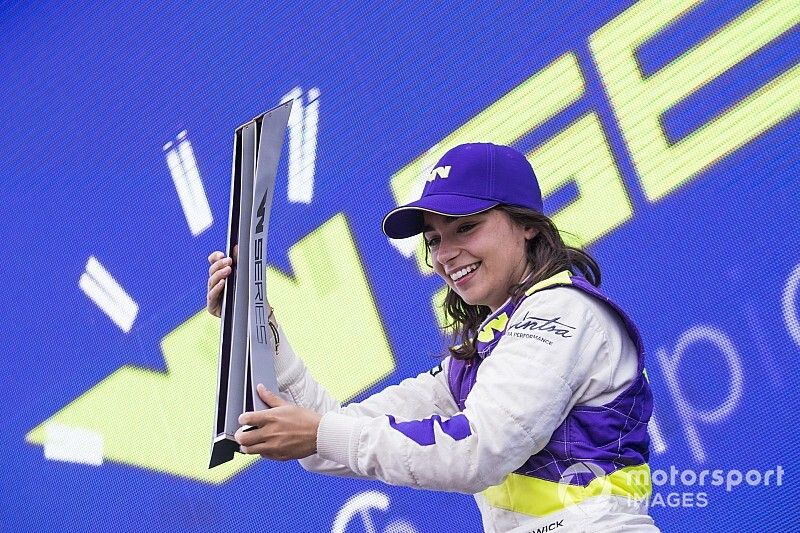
x: 247, y: 339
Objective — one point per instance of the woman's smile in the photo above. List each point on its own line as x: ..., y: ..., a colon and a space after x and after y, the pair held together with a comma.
x: 462, y: 276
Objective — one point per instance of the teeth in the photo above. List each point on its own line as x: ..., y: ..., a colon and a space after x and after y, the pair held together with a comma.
x: 455, y: 276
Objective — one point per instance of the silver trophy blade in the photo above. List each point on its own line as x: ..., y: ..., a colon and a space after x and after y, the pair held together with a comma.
x: 247, y: 344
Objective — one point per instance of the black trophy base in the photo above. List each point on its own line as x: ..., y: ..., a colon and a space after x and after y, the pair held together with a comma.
x: 222, y: 450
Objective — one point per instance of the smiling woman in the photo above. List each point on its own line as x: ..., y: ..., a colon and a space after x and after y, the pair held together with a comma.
x: 539, y: 409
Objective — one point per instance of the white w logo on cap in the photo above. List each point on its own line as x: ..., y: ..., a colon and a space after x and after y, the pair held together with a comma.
x: 439, y: 172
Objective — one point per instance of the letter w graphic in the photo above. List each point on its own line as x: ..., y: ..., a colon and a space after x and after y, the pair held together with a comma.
x: 498, y: 323
x: 302, y: 144
x: 439, y: 172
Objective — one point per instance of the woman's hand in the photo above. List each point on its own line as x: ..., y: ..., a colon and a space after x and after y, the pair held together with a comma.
x: 221, y: 267
x: 283, y: 432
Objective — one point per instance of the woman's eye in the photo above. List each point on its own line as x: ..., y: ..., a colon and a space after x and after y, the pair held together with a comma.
x: 465, y: 227
x: 432, y: 242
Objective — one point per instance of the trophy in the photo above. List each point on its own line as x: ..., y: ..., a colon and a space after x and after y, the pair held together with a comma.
x: 248, y: 341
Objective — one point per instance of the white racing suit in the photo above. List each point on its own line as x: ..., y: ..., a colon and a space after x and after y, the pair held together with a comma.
x: 547, y: 427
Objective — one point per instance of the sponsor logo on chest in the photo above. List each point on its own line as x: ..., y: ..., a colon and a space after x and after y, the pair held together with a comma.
x: 545, y: 330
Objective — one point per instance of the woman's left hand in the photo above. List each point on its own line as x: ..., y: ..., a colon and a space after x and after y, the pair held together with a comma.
x: 283, y: 432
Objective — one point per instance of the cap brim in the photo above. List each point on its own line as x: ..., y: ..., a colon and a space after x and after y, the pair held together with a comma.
x: 407, y: 220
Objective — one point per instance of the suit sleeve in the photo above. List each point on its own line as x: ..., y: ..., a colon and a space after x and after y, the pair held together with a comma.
x: 426, y: 394
x: 523, y: 391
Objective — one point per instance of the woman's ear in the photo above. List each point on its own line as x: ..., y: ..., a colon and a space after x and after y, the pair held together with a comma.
x: 530, y: 232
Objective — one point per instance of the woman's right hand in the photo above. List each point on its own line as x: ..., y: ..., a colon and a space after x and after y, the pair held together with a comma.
x: 221, y: 267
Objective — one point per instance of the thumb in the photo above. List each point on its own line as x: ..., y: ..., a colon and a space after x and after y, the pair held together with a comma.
x: 269, y: 397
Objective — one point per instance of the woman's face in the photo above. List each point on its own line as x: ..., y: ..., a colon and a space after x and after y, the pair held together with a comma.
x: 479, y: 256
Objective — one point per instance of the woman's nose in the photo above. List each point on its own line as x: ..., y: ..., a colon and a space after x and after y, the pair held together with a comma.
x: 446, y: 252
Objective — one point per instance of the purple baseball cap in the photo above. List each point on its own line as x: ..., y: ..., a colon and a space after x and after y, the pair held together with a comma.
x: 469, y: 179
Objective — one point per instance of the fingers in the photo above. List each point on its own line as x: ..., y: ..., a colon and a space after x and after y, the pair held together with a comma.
x: 214, y: 299
x: 221, y: 272
x: 220, y: 268
x: 255, y: 443
x: 266, y: 452
x: 219, y: 264
x: 215, y: 256
x: 269, y: 397
x: 253, y: 436
x: 215, y: 287
x: 251, y: 418
x: 247, y: 438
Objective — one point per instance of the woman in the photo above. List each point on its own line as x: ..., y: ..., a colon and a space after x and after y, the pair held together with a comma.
x: 540, y: 409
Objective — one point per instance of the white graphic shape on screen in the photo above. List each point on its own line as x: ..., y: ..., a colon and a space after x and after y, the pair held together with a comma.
x: 303, y: 122
x: 656, y: 437
x: 400, y: 526
x: 73, y: 445
x: 109, y: 296
x: 359, y: 508
x: 690, y: 416
x: 407, y: 247
x: 789, y: 305
x: 186, y: 177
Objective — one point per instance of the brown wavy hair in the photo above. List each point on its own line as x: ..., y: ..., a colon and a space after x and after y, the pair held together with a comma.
x: 547, y: 255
